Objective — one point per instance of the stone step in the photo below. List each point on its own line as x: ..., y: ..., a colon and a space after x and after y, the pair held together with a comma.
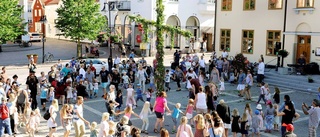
x: 294, y: 77
x: 293, y: 86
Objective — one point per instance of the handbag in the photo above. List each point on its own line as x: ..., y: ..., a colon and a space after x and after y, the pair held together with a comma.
x: 46, y: 115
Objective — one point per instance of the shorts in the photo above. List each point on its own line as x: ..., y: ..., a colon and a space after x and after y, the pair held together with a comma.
x: 240, y: 87
x: 189, y: 116
x: 20, y: 107
x: 255, y: 130
x: 227, y: 126
x: 43, y: 101
x: 95, y: 90
x: 67, y: 127
x: 175, y: 121
x: 104, y: 84
x: 159, y: 115
x: 166, y: 84
x: 248, y: 86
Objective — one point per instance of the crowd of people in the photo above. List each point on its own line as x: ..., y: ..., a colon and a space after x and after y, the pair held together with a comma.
x: 70, y: 84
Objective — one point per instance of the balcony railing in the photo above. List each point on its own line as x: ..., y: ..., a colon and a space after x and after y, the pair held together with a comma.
x: 123, y: 5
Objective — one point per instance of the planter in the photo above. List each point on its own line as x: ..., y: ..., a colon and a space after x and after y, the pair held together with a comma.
x: 35, y: 58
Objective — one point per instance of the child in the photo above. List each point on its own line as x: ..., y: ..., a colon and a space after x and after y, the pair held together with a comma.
x: 125, y: 80
x: 51, y: 94
x: 276, y: 120
x: 119, y: 100
x: 167, y: 80
x: 27, y: 113
x: 261, y: 115
x: 235, y: 122
x: 128, y: 112
x: 189, y: 111
x: 69, y: 94
x: 222, y: 88
x: 95, y: 88
x: 130, y: 97
x: 139, y: 94
x: 256, y: 123
x: 93, y: 130
x: 276, y: 96
x: 112, y: 128
x: 175, y: 116
x: 267, y: 93
x: 32, y: 124
x: 111, y: 108
x: 144, y: 115
x: 38, y: 117
x: 149, y: 94
x: 262, y: 93
x: 151, y: 84
x: 43, y: 98
x: 244, y: 126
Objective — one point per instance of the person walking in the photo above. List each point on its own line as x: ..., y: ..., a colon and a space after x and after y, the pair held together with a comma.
x: 52, y: 124
x: 4, y: 119
x: 104, y: 77
x: 65, y: 118
x: 78, y: 120
x: 142, y: 75
x: 160, y: 105
x: 224, y: 113
x: 249, y: 83
x: 32, y: 84
x: 104, y: 125
x: 200, y: 102
x: 184, y: 128
x: 314, y: 115
x: 260, y: 72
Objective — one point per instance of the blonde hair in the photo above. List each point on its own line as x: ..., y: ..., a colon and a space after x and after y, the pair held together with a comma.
x: 266, y: 85
x: 146, y: 107
x: 128, y: 109
x: 183, y: 120
x: 112, y: 127
x: 37, y: 111
x: 200, y: 121
x: 63, y: 111
x: 221, y: 101
x: 93, y: 126
x: 124, y: 120
x: 235, y: 112
x: 244, y: 117
x: 105, y: 116
x: 191, y: 101
x: 55, y: 104
x: 178, y: 105
x: 248, y: 107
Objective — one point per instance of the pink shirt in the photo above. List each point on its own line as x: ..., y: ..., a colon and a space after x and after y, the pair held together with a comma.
x: 160, y: 104
x: 190, y: 109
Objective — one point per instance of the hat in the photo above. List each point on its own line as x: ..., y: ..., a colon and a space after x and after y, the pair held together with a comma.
x: 259, y: 107
x: 316, y: 101
x: 257, y: 112
x: 290, y: 127
x: 138, y: 85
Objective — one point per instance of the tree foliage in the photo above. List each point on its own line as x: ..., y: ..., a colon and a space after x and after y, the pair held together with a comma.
x: 11, y: 22
x: 80, y: 19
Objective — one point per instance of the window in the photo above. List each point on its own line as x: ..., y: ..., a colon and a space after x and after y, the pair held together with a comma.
x: 247, y: 41
x: 211, y: 1
x: 273, y: 36
x: 29, y: 20
x: 39, y: 11
x: 275, y: 4
x: 305, y: 3
x: 35, y: 12
x: 29, y: 8
x: 249, y: 4
x: 225, y: 39
x: 226, y: 5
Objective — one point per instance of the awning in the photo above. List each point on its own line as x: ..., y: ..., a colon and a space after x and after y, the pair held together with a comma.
x: 301, y: 33
x: 207, y: 26
x: 207, y: 29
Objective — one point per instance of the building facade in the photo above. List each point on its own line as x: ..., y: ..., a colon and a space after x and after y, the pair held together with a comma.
x: 255, y: 27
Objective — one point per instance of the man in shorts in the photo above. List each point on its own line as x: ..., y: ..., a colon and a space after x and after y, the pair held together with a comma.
x: 104, y: 76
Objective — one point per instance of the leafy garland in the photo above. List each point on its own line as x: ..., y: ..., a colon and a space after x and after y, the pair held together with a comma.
x: 160, y: 29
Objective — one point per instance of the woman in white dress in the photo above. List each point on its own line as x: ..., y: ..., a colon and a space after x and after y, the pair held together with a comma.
x: 52, y: 124
x: 104, y: 125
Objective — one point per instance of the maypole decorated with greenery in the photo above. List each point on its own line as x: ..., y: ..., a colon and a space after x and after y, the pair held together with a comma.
x: 160, y: 30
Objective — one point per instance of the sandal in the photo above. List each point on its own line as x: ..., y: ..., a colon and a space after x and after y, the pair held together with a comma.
x: 155, y: 130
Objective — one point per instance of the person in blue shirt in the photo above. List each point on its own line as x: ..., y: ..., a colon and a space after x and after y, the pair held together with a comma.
x: 175, y: 115
x: 65, y: 70
x: 80, y: 77
x: 73, y: 62
x: 43, y: 97
x: 131, y: 55
x: 139, y: 93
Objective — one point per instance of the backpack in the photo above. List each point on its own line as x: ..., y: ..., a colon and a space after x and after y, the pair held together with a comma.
x: 4, y: 112
x: 46, y: 115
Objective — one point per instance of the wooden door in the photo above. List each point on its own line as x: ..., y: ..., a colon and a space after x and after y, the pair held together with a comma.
x: 209, y: 42
x: 303, y: 47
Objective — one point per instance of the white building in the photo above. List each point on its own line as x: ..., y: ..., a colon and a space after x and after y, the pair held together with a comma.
x: 194, y: 15
x: 253, y: 27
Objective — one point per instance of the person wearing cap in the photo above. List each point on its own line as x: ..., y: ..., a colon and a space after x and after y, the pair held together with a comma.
x: 289, y: 131
x: 288, y: 116
x: 5, y: 119
x: 314, y: 115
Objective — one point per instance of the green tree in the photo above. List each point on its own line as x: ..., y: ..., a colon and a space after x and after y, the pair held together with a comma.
x: 80, y: 19
x: 11, y: 22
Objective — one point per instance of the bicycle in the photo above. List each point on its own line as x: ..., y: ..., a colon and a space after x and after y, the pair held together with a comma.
x: 48, y: 57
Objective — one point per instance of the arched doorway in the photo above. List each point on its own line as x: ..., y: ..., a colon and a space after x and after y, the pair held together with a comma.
x: 127, y: 31
x: 193, y: 25
x: 173, y: 20
x: 117, y: 26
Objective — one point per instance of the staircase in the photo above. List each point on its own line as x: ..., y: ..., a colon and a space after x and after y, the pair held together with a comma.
x: 295, y: 82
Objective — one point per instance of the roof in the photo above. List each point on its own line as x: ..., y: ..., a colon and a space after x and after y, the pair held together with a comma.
x: 51, y: 2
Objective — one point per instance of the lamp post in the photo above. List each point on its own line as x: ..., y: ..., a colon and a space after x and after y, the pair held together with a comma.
x: 43, y: 20
x: 111, y: 7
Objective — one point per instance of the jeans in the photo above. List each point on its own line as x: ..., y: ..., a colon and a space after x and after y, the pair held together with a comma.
x: 178, y: 82
x: 283, y: 130
x: 145, y: 124
x: 5, y: 124
x: 263, y: 98
x: 260, y: 78
x: 142, y: 84
x: 34, y: 103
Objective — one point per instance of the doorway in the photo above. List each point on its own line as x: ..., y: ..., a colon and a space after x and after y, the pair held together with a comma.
x: 303, y: 47
x: 208, y: 37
